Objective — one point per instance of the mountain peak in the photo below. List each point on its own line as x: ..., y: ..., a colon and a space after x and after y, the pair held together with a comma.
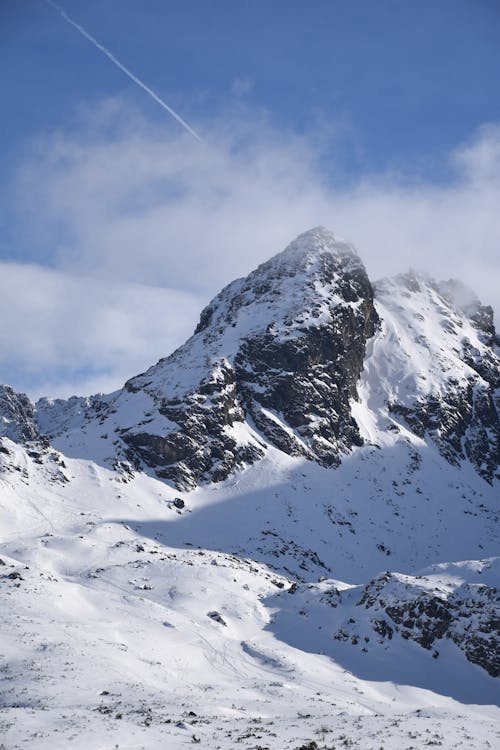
x: 315, y: 243
x: 287, y: 342
x: 317, y: 239
x: 314, y: 240
x: 313, y: 272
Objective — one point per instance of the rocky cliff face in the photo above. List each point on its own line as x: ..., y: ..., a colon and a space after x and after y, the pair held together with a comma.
x: 202, y: 443
x: 275, y: 359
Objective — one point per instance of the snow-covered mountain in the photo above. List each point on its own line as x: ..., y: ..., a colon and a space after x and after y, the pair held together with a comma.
x: 290, y: 524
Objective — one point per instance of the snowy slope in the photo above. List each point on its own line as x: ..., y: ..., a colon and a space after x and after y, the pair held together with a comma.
x: 113, y: 616
x: 335, y: 580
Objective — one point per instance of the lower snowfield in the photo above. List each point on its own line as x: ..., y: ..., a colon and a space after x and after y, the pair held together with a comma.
x: 130, y: 622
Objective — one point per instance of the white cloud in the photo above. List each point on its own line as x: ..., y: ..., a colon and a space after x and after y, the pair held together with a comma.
x: 479, y: 159
x: 122, y: 206
x: 155, y: 208
x: 74, y: 334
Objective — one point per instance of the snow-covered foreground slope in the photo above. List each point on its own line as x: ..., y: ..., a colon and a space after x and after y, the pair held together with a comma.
x: 284, y: 533
x: 128, y: 621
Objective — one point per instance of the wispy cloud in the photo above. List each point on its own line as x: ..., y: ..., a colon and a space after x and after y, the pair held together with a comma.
x: 123, y: 205
x: 241, y: 86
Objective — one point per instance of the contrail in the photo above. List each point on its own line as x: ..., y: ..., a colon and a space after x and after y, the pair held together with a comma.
x: 125, y: 70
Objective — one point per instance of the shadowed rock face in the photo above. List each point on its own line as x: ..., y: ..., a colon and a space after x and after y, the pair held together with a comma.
x: 308, y: 378
x: 286, y: 347
x: 468, y: 617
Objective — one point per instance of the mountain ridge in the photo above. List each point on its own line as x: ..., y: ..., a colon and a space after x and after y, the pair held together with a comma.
x: 276, y: 359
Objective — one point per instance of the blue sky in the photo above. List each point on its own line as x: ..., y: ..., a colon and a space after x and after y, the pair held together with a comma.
x: 405, y: 80
x: 381, y: 118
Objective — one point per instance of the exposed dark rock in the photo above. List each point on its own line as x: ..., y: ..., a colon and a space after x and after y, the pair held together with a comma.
x: 426, y: 617
x: 217, y: 617
x: 15, y: 576
x: 467, y: 301
x: 301, y: 322
x: 201, y: 449
x: 469, y: 616
x: 383, y: 628
x: 307, y: 379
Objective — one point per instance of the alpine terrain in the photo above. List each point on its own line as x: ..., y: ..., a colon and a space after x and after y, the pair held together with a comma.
x: 284, y: 535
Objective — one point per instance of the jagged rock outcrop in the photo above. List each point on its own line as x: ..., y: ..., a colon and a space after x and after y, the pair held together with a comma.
x: 200, y: 447
x: 307, y: 376
x: 468, y: 616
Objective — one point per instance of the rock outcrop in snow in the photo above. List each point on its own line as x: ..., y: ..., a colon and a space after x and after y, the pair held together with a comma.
x: 275, y: 359
x: 446, y: 606
x: 444, y: 376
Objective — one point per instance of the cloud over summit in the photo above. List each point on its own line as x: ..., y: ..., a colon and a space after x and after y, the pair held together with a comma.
x: 141, y: 227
